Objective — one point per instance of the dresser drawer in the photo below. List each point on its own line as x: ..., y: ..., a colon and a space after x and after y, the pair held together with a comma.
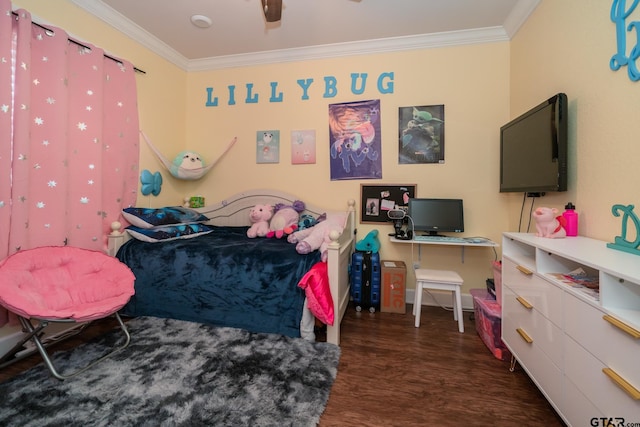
x: 585, y: 371
x: 517, y: 316
x: 608, y: 343
x: 543, y: 295
x: 577, y: 409
x: 535, y: 362
x: 514, y: 274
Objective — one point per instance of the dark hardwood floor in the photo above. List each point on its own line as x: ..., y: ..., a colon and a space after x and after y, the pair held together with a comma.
x: 393, y: 374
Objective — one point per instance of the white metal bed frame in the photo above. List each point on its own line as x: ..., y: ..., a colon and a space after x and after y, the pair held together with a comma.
x: 234, y: 211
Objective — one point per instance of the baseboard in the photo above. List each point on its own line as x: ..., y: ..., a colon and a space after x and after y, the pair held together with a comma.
x: 440, y: 299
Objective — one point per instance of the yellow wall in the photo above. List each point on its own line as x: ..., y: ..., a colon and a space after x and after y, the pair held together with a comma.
x: 472, y: 83
x: 482, y: 86
x: 566, y: 46
x: 161, y: 91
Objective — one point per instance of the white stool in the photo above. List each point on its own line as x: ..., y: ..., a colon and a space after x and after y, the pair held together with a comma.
x: 441, y: 280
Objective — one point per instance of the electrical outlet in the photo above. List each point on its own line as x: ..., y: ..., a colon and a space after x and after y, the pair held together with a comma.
x: 416, y: 265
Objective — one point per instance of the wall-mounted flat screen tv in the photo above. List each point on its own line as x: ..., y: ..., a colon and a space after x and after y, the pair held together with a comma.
x: 533, y: 149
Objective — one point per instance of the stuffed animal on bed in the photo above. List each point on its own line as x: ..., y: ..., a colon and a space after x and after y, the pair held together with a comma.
x: 307, y: 221
x: 549, y: 224
x: 285, y: 219
x: 319, y: 236
x: 259, y: 215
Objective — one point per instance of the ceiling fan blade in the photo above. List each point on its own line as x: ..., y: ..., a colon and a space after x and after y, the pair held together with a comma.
x: 272, y: 10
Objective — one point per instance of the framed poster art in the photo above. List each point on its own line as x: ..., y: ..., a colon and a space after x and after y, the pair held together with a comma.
x: 421, y: 134
x: 355, y: 141
x: 377, y: 200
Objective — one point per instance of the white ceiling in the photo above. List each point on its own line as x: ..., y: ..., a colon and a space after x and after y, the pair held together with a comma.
x: 308, y: 29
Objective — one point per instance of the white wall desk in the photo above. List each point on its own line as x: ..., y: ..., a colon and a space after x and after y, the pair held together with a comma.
x: 471, y: 242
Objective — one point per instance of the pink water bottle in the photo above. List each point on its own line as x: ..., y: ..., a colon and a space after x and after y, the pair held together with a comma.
x: 571, y: 216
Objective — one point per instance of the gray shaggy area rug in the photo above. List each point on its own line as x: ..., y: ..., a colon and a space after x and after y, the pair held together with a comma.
x: 178, y: 373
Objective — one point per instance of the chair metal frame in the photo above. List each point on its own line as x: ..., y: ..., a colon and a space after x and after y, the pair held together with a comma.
x: 33, y: 332
x: 25, y: 279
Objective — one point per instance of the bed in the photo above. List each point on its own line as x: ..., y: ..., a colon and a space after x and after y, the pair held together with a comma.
x: 191, y: 279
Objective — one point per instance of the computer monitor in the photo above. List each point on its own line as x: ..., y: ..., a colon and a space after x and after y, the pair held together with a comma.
x: 432, y: 216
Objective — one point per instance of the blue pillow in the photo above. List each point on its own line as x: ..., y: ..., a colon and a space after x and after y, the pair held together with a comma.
x: 169, y: 232
x: 154, y: 217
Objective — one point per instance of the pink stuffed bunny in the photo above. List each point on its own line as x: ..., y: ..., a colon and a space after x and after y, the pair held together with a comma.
x: 259, y: 215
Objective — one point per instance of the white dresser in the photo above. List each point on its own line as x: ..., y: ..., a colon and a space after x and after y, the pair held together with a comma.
x: 580, y: 347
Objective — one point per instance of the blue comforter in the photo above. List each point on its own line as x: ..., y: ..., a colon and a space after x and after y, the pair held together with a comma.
x: 221, y: 278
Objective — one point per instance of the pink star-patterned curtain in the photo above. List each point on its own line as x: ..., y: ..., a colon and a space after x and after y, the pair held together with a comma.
x: 69, y: 141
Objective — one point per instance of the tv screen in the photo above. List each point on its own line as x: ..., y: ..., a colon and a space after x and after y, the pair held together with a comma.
x: 436, y: 215
x: 533, y: 149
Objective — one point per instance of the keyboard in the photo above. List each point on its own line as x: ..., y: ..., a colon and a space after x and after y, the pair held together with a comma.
x: 443, y: 239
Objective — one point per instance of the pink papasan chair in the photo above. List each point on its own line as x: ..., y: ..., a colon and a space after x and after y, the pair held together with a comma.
x: 63, y: 284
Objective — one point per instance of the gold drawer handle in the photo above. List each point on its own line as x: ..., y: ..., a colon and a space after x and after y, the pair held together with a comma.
x: 622, y: 383
x: 524, y: 303
x: 623, y: 326
x: 524, y: 270
x: 524, y: 335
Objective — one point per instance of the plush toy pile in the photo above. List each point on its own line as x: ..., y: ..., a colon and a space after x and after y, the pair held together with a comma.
x: 274, y: 221
x: 319, y: 235
x: 308, y: 233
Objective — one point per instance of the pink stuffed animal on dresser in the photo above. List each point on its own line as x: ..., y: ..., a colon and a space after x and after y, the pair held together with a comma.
x: 549, y: 223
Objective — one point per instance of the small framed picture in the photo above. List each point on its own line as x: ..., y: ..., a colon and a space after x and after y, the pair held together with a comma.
x: 303, y: 147
x: 268, y: 146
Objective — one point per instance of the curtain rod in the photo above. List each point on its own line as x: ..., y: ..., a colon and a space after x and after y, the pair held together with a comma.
x: 76, y: 42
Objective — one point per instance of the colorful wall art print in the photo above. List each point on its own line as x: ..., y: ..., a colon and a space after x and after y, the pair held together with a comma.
x: 421, y: 134
x: 303, y: 147
x: 268, y: 146
x: 354, y: 131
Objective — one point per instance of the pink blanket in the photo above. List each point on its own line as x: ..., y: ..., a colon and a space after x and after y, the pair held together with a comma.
x: 316, y: 287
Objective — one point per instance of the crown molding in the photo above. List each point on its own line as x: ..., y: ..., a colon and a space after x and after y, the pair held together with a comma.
x: 519, y: 15
x: 395, y: 44
x: 137, y: 33
x: 452, y: 38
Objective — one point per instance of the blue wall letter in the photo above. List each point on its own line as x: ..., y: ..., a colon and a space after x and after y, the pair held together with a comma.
x: 354, y: 77
x: 389, y: 87
x: 211, y: 103
x: 232, y: 95
x: 274, y: 86
x: 619, y: 16
x: 304, y: 84
x: 251, y: 99
x: 330, y: 87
